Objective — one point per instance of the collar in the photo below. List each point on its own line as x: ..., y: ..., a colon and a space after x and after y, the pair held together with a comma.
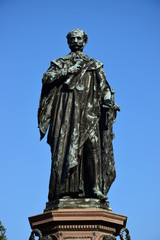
x: 79, y: 55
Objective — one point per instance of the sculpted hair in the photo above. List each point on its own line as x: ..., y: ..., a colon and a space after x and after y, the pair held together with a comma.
x: 85, y: 36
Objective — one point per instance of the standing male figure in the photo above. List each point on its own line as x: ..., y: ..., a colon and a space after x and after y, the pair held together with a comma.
x: 76, y: 105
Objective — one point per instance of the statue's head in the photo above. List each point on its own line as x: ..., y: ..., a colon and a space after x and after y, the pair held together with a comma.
x: 77, y: 39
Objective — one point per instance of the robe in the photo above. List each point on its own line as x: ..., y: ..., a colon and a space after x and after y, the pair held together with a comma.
x: 71, y: 109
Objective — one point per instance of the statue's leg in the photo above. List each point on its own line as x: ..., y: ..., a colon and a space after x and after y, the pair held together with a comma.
x: 53, y: 185
x: 92, y: 165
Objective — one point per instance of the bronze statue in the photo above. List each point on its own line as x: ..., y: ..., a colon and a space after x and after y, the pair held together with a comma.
x: 77, y: 105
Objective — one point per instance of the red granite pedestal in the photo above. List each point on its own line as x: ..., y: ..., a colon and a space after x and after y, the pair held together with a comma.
x: 79, y: 224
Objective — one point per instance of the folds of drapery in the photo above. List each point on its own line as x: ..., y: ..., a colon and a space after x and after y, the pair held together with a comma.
x: 72, y: 109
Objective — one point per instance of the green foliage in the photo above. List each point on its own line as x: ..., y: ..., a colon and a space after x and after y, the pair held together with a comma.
x: 2, y: 232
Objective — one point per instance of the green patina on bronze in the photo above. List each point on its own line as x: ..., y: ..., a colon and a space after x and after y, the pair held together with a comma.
x: 77, y: 108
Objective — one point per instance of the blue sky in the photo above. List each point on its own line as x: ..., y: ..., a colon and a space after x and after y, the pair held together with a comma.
x: 125, y: 36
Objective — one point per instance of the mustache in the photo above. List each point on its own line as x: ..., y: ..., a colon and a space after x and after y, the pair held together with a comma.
x: 78, y: 44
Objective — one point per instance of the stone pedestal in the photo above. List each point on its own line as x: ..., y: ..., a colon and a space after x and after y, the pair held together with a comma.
x: 79, y: 224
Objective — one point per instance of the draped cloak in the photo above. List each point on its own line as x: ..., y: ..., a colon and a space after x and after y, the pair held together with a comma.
x: 71, y: 109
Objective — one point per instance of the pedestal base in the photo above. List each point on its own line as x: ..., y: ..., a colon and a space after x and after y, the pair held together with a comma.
x: 76, y: 203
x: 91, y: 224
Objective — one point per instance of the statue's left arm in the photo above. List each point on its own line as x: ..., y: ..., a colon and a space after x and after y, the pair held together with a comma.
x: 107, y: 95
x: 105, y: 89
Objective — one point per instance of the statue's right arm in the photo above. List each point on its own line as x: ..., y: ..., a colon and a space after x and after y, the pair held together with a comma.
x: 54, y: 72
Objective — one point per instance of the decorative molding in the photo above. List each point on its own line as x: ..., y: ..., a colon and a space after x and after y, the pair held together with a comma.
x: 83, y: 228
x: 127, y: 237
x: 108, y: 237
x: 82, y: 224
x: 79, y: 237
x: 72, y: 228
x: 38, y: 233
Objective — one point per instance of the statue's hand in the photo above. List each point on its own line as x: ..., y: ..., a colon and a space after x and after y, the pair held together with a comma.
x: 107, y: 103
x: 64, y: 72
x: 74, y: 69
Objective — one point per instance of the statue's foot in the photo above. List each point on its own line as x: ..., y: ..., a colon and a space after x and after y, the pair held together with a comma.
x: 107, y: 206
x: 98, y: 194
x: 104, y: 199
